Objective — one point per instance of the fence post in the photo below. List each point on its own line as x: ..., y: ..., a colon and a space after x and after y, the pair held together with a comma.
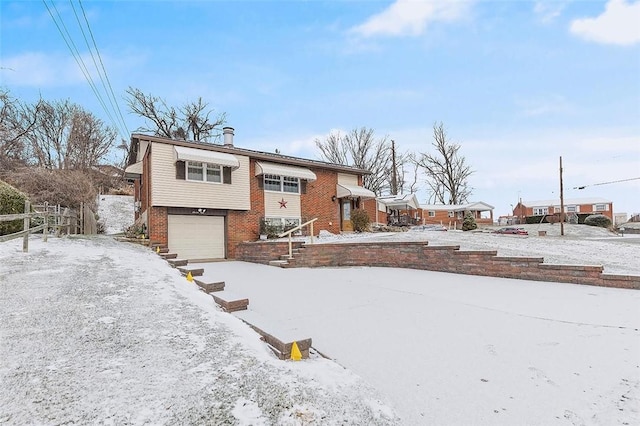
x: 45, y: 231
x: 26, y: 224
x: 81, y: 224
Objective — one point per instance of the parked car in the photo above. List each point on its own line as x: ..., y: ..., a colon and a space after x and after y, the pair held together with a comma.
x: 511, y: 230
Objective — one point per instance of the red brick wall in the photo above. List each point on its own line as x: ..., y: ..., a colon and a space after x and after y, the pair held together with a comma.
x: 584, y: 209
x: 317, y: 202
x: 158, y: 225
x: 419, y: 255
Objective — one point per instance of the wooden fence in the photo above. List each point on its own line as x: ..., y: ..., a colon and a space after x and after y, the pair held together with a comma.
x: 45, y: 218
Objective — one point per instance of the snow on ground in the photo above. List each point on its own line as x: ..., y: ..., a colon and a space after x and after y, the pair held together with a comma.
x: 115, y: 212
x: 96, y: 331
x: 450, y: 349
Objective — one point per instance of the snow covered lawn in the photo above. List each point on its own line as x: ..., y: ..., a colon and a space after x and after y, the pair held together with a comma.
x: 95, y: 331
x: 458, y: 349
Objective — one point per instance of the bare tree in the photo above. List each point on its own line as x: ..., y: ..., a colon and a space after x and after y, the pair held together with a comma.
x: 359, y: 148
x: 16, y: 121
x: 68, y: 137
x: 191, y: 121
x: 447, y: 171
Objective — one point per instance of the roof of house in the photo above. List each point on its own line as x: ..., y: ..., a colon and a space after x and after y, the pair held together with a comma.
x: 400, y: 202
x: 476, y: 206
x: 258, y: 155
x: 567, y: 201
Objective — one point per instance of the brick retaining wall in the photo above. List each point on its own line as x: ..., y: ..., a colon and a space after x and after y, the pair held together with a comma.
x: 420, y: 255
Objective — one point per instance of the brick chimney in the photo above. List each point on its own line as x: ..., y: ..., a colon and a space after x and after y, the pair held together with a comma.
x: 228, y: 136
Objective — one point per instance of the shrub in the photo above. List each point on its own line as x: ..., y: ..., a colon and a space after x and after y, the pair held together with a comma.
x: 270, y: 230
x: 68, y: 188
x: 11, y: 202
x: 360, y: 220
x: 598, y: 220
x: 469, y: 222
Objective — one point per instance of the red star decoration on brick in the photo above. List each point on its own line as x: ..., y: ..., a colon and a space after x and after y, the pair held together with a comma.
x: 283, y: 203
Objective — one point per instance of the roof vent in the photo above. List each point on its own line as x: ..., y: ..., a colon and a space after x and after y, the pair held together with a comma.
x: 228, y: 136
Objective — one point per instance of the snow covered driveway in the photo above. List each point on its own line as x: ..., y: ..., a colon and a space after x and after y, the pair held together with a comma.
x: 95, y: 331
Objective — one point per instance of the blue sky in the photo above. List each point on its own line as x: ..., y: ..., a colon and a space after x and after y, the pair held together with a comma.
x: 517, y: 83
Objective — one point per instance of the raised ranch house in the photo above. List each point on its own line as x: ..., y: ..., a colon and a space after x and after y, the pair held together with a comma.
x: 452, y: 215
x: 203, y: 199
x: 572, y: 208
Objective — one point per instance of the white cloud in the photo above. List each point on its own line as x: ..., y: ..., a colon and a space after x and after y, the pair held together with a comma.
x: 40, y: 69
x: 547, y: 10
x: 619, y: 24
x: 410, y: 17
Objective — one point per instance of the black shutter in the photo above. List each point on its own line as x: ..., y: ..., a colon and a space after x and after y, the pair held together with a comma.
x: 226, y: 175
x: 303, y: 186
x: 180, y: 170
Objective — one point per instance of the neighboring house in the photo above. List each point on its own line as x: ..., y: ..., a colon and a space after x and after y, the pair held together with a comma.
x: 452, y: 215
x: 203, y: 199
x: 398, y: 210
x: 572, y: 208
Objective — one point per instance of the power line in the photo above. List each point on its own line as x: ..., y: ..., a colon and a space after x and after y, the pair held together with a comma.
x: 79, y: 61
x: 113, y: 96
x: 605, y: 183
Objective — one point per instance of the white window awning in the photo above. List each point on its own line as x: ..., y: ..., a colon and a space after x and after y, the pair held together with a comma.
x: 133, y: 170
x: 284, y: 170
x: 204, y: 156
x: 354, y: 191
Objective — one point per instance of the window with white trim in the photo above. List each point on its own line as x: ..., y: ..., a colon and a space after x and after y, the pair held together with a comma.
x: 460, y: 215
x: 283, y: 223
x: 432, y: 213
x: 451, y: 214
x: 600, y: 207
x: 572, y: 209
x: 281, y: 183
x: 539, y: 211
x: 203, y: 172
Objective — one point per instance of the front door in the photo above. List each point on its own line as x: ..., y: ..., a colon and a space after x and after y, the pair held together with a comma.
x: 345, y: 215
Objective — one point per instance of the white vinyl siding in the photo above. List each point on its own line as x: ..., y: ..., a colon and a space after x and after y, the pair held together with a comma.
x: 346, y: 179
x: 196, y: 237
x: 273, y: 205
x: 168, y: 191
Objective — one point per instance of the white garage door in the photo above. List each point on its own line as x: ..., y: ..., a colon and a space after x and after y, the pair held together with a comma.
x: 197, y: 237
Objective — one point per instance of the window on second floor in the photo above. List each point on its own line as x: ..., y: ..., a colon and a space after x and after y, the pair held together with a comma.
x: 601, y: 207
x: 539, y: 211
x: 571, y: 209
x: 281, y: 184
x: 203, y: 172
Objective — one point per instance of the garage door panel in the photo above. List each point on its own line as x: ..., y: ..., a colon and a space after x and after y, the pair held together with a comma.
x: 196, y: 237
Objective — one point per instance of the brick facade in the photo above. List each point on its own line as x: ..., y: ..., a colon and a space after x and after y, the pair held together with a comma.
x: 317, y: 202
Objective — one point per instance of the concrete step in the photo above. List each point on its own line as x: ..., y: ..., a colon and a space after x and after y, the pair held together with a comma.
x: 229, y: 301
x: 280, y: 263
x: 210, y: 287
x: 177, y: 262
x: 279, y: 337
x: 168, y: 256
x: 195, y: 272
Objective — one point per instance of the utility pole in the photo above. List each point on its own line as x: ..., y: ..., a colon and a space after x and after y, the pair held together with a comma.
x: 561, y: 201
x: 394, y: 179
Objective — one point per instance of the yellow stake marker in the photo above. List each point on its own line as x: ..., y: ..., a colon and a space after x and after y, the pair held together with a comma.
x: 295, y: 352
x: 189, y: 277
x: 157, y: 249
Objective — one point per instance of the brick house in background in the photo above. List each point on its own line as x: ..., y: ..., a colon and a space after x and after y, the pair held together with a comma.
x: 399, y: 210
x: 452, y: 215
x: 572, y: 208
x: 203, y: 199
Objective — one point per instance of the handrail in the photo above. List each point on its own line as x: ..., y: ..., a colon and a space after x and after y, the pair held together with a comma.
x: 292, y: 230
